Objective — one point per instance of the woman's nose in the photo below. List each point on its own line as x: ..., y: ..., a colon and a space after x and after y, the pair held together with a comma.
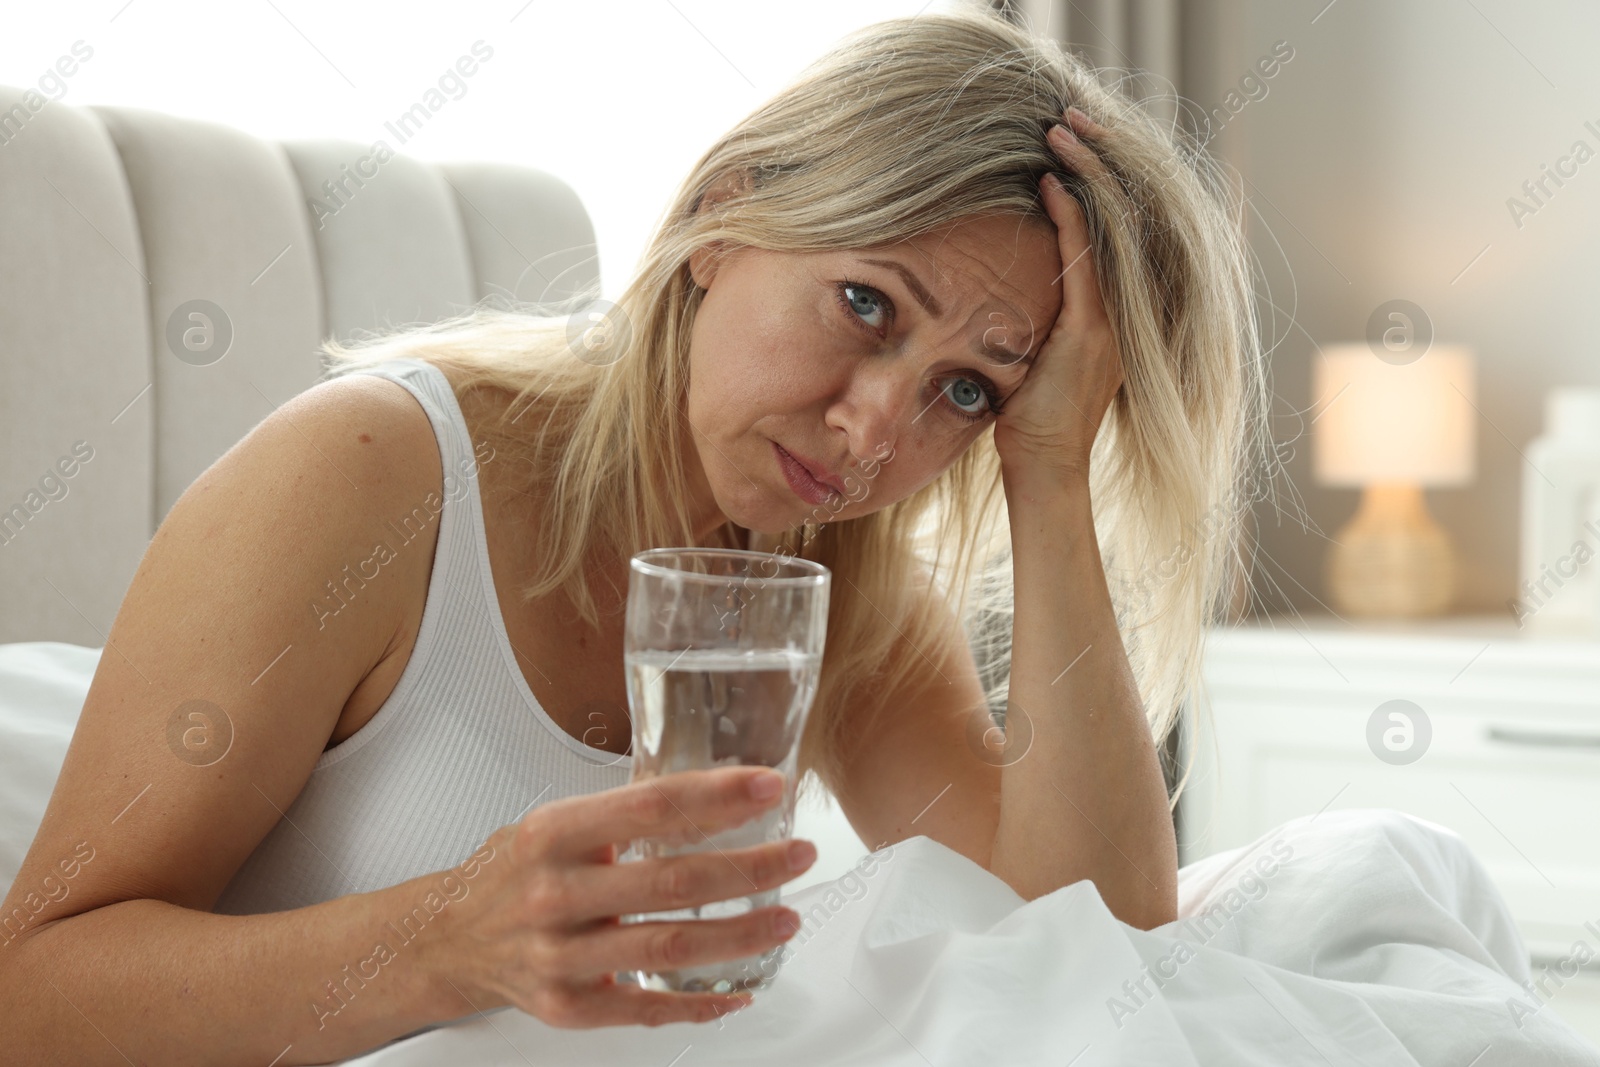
x: 876, y: 406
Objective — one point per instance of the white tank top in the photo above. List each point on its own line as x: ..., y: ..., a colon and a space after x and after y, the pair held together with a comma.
x: 460, y: 748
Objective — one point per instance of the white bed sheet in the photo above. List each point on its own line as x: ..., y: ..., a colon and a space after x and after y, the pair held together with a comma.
x: 1378, y: 940
x: 1353, y: 937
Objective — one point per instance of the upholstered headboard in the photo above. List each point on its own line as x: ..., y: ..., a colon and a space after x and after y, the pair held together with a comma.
x: 164, y: 285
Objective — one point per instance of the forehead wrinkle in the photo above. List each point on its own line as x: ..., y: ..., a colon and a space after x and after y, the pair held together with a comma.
x: 1022, y: 222
x: 989, y: 299
x: 992, y: 299
x: 931, y: 260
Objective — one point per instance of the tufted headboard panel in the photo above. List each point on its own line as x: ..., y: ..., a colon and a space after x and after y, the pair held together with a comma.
x: 165, y: 284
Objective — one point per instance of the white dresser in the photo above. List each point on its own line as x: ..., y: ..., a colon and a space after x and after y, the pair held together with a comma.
x: 1467, y: 722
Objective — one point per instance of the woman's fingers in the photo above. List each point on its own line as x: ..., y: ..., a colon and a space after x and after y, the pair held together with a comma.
x: 1083, y: 124
x: 625, y: 1004
x: 660, y: 946
x: 1080, y: 287
x: 1083, y: 158
x: 1054, y: 417
x: 685, y: 807
x: 1083, y: 310
x: 544, y: 930
x: 686, y: 881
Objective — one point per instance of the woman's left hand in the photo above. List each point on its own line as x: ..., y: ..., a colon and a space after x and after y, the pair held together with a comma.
x: 1049, y: 423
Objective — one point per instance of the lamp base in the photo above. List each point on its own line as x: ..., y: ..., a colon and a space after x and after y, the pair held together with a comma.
x: 1391, y: 560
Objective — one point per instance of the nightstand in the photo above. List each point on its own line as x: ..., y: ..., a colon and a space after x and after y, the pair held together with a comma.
x: 1468, y: 722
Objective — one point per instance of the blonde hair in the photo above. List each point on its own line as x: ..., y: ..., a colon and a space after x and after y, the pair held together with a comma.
x: 907, y: 126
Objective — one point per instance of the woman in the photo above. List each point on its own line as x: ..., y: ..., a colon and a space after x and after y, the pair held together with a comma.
x: 404, y: 804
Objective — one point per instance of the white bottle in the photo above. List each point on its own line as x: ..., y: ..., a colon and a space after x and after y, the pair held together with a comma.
x: 1559, y: 592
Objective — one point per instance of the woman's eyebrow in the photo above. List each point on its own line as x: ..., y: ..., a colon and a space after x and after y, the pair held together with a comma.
x: 996, y: 354
x: 918, y: 290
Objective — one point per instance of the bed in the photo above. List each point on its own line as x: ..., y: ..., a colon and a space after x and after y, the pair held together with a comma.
x: 1352, y: 937
x: 1362, y: 937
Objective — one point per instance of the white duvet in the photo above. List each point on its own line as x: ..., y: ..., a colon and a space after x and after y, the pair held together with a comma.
x: 1354, y: 937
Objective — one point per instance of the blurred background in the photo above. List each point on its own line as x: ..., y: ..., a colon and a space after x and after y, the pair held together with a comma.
x: 1420, y: 191
x: 1387, y: 161
x: 1383, y: 159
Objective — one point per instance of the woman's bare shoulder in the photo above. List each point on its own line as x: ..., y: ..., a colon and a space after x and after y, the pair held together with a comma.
x: 243, y: 633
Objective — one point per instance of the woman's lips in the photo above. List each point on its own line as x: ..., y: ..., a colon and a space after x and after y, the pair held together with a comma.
x: 805, y: 486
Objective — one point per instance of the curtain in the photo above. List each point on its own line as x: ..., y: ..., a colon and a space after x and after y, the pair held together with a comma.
x: 1151, y: 40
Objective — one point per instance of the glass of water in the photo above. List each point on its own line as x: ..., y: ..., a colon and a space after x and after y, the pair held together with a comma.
x: 723, y: 651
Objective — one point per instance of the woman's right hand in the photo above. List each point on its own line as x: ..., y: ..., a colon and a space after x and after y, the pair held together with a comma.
x: 540, y: 929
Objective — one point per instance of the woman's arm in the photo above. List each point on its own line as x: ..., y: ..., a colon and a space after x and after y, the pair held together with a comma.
x: 108, y: 950
x: 1088, y: 800
x: 145, y: 981
x: 120, y: 958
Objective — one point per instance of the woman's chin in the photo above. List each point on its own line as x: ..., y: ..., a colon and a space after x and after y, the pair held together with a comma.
x: 773, y: 525
x: 773, y: 519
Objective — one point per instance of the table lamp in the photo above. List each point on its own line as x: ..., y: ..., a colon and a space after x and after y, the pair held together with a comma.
x: 1390, y: 429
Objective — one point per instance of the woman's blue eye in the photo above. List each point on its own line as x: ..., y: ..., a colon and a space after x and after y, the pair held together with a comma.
x: 855, y: 294
x: 963, y: 389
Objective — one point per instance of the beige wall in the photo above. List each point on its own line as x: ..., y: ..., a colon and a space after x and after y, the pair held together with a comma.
x: 1380, y: 161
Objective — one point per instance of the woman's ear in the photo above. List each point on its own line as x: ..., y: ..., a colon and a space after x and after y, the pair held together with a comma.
x: 703, y: 261
x: 731, y: 184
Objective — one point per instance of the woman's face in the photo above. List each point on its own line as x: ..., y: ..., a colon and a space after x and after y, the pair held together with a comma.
x: 869, y: 365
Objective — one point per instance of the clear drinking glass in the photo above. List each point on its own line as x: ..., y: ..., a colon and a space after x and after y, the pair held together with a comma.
x: 723, y: 650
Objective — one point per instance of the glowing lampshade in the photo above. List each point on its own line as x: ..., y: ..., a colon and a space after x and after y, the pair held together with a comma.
x: 1386, y: 422
x: 1390, y: 428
